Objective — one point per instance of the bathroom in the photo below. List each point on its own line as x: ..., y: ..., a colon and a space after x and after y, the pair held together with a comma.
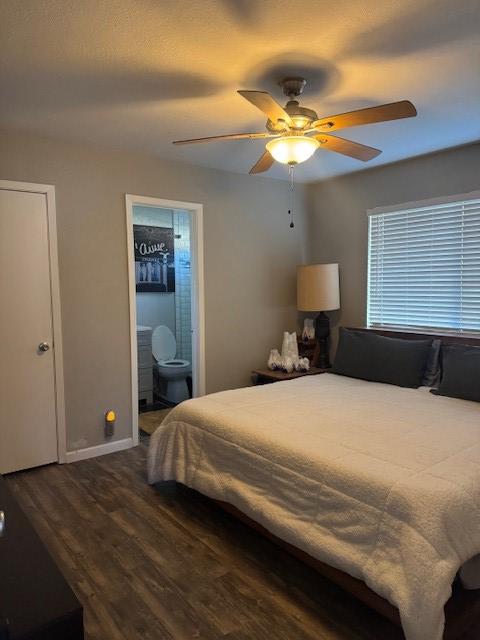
x: 163, y: 309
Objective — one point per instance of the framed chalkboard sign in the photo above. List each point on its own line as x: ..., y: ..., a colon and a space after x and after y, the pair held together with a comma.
x: 154, y: 258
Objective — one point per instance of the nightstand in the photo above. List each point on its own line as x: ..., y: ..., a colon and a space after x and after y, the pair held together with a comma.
x: 266, y: 376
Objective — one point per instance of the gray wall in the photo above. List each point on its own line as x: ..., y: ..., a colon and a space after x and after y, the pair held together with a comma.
x: 338, y: 227
x: 250, y: 258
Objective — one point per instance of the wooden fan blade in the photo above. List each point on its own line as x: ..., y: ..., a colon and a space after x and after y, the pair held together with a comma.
x: 270, y: 107
x: 263, y: 163
x: 232, y: 136
x: 382, y: 113
x: 347, y: 147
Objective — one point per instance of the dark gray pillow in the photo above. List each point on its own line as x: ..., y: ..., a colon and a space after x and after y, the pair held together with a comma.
x: 431, y: 376
x: 361, y: 354
x: 461, y: 373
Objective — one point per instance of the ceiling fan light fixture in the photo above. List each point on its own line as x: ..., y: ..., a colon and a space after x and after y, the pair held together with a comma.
x: 290, y: 126
x: 292, y: 149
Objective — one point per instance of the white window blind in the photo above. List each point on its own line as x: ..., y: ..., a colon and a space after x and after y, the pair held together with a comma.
x: 424, y: 267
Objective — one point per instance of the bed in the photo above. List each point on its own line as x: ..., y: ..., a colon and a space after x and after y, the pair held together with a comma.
x: 379, y: 482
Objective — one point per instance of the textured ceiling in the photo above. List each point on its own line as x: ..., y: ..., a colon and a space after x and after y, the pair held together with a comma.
x: 137, y: 74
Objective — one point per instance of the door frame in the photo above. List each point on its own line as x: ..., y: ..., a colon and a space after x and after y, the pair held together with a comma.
x: 48, y: 191
x: 197, y: 295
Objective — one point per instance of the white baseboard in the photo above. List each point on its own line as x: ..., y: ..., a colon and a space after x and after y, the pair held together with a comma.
x: 99, y: 450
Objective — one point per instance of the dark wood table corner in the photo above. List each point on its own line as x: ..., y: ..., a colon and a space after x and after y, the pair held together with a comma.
x: 36, y: 602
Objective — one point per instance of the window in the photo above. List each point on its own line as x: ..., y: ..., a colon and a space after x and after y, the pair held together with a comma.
x: 424, y: 266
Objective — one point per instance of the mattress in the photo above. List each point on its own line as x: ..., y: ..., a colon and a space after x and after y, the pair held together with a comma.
x: 379, y: 481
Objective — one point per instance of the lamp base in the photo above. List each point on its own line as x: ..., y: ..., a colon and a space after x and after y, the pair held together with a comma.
x: 322, y: 335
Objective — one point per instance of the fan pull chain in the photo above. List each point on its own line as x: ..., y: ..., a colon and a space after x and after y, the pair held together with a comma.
x: 291, y: 196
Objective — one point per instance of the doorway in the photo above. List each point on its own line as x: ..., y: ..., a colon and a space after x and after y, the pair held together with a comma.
x: 165, y: 265
x: 32, y: 411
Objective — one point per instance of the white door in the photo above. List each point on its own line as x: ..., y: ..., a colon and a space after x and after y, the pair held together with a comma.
x: 28, y: 432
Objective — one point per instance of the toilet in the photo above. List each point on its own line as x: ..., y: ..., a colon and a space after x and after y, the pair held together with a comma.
x: 172, y: 372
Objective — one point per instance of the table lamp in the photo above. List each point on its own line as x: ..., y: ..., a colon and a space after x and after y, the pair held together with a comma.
x: 318, y: 290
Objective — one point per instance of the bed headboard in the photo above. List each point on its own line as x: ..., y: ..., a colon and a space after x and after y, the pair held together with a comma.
x: 446, y: 338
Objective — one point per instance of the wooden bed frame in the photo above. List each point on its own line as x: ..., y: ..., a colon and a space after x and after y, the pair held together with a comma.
x: 462, y: 611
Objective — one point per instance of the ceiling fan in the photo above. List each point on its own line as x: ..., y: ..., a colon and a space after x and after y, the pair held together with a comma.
x: 291, y: 127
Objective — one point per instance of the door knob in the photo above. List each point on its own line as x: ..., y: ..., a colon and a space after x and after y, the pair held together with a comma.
x: 43, y: 346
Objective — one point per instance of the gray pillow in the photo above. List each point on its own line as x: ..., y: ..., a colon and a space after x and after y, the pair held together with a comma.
x: 365, y: 355
x: 460, y: 373
x: 431, y: 376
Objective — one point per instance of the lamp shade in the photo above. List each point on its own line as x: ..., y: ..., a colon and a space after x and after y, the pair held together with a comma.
x: 292, y: 149
x: 317, y: 287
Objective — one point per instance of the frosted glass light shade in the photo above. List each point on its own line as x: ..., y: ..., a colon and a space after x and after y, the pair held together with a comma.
x: 317, y: 287
x: 292, y: 149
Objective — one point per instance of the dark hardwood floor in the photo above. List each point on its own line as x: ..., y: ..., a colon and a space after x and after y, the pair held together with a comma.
x: 167, y: 563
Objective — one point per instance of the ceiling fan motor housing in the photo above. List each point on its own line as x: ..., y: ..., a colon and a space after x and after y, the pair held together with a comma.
x: 301, y: 118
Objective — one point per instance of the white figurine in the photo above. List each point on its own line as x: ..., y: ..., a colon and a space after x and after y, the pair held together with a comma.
x: 290, y: 345
x: 274, y: 360
x: 308, y: 332
x: 287, y: 364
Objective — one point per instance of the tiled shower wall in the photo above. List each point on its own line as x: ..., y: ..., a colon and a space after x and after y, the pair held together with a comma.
x: 183, y: 281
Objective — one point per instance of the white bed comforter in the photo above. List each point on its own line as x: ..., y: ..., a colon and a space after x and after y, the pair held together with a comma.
x: 379, y: 481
